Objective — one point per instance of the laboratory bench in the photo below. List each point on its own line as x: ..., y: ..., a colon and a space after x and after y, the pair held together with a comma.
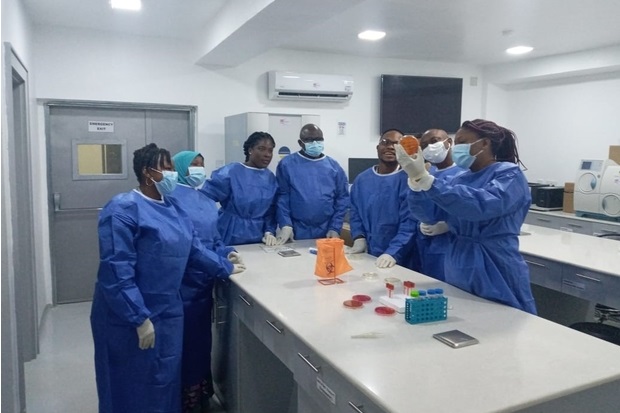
x: 290, y: 347
x: 579, y: 265
x: 570, y: 222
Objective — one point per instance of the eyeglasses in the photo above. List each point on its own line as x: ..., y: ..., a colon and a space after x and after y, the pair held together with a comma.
x: 387, y: 142
x: 312, y: 139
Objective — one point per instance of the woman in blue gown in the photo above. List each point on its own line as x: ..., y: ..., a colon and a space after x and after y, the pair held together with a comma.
x: 145, y: 243
x: 433, y: 237
x: 486, y: 207
x: 197, y: 285
x: 247, y: 194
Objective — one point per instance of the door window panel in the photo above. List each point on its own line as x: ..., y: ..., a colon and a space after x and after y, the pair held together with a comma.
x: 99, y: 160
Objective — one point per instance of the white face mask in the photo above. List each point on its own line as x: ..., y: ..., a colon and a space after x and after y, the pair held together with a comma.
x: 435, y: 152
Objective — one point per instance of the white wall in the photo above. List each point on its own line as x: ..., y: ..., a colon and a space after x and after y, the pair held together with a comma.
x: 17, y: 31
x: 99, y: 66
x: 558, y: 125
x: 562, y: 108
x: 88, y: 65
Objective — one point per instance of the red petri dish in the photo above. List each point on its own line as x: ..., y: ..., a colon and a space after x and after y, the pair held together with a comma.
x: 363, y: 298
x: 385, y: 311
x: 354, y: 304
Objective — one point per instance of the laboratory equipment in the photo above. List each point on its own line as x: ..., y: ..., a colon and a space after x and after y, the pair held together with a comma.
x: 420, y: 308
x: 547, y: 198
x: 283, y: 127
x: 597, y: 189
x: 362, y: 297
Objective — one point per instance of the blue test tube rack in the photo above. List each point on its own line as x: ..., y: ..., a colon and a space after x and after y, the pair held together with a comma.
x: 427, y: 307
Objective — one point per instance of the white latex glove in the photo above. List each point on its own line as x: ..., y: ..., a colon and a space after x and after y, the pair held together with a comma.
x: 423, y: 184
x: 413, y: 165
x: 235, y: 258
x: 359, y: 246
x: 146, y: 335
x: 237, y: 268
x: 332, y: 234
x: 435, y: 229
x: 284, y: 234
x: 269, y: 240
x: 385, y: 261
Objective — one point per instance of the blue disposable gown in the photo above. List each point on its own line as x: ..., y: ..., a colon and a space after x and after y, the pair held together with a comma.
x: 247, y: 198
x: 144, y: 247
x: 314, y: 195
x: 485, y: 212
x: 380, y: 213
x: 432, y: 249
x: 197, y: 292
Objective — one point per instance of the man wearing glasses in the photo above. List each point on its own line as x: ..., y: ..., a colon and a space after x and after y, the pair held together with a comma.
x: 313, y: 195
x: 381, y: 221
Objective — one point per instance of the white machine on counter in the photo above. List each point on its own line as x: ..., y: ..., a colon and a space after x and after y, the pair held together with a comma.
x: 597, y: 189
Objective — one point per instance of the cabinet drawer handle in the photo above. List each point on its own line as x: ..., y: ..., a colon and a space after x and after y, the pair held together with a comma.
x: 249, y: 304
x: 588, y: 277
x: 357, y: 408
x: 543, y: 220
x: 272, y: 325
x: 575, y: 225
x: 312, y: 366
x: 536, y: 264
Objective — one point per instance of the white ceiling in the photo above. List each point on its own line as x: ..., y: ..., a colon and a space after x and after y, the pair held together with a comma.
x: 464, y: 31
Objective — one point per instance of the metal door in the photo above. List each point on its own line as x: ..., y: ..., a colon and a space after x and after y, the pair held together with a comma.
x: 90, y: 158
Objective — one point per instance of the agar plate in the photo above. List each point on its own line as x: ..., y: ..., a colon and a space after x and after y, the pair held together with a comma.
x: 385, y: 311
x: 369, y: 276
x: 363, y: 298
x: 353, y: 304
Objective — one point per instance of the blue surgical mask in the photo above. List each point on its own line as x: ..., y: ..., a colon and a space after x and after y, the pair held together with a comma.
x: 168, y: 182
x: 197, y: 176
x: 461, y: 155
x: 314, y: 148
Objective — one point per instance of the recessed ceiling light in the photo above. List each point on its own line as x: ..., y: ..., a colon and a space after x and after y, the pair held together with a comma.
x: 371, y: 35
x: 519, y: 50
x: 126, y: 4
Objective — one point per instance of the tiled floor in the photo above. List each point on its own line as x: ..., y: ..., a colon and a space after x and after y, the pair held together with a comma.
x: 62, y: 377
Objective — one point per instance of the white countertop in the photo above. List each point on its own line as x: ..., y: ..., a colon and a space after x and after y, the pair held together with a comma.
x: 521, y: 360
x: 572, y: 215
x: 585, y: 251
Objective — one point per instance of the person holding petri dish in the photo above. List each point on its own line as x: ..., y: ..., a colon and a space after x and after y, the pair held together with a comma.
x: 486, y: 206
x: 433, y: 237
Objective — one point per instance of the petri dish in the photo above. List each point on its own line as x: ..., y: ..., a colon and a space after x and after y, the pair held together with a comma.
x: 410, y: 144
x: 362, y: 297
x: 385, y: 311
x: 369, y: 276
x: 353, y: 304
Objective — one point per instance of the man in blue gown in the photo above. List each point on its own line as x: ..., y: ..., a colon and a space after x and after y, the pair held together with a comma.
x: 380, y: 219
x: 313, y: 194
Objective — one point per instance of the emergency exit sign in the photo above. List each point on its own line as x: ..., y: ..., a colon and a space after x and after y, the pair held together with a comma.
x: 100, y: 126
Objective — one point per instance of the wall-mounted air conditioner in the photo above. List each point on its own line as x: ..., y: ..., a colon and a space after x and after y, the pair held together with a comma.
x: 308, y: 86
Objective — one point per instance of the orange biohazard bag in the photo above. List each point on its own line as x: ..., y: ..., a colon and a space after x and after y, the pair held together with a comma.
x: 330, y: 258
